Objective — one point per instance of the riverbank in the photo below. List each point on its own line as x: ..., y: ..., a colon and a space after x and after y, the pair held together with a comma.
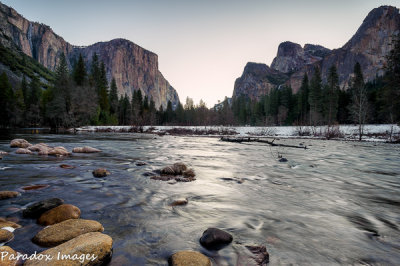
x: 385, y: 133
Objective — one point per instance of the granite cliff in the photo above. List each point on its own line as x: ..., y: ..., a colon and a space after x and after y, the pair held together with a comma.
x: 132, y: 66
x: 369, y: 46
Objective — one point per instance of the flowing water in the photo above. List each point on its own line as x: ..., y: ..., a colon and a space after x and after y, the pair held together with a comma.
x: 334, y: 203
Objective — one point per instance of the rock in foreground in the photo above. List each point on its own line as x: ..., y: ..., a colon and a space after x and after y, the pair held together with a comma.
x: 19, y: 143
x: 36, y: 209
x: 62, y: 232
x: 8, y: 194
x: 92, y: 248
x: 215, y: 239
x: 100, y: 172
x: 59, y: 214
x: 85, y: 149
x: 189, y: 258
x: 5, y: 236
x: 9, y: 256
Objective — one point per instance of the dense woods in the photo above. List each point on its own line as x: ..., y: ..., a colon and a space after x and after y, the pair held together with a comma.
x: 80, y: 96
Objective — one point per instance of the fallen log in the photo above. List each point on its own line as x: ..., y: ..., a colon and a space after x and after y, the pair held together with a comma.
x: 249, y: 139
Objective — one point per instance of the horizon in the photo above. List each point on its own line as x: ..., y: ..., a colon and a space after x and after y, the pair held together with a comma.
x: 197, y: 68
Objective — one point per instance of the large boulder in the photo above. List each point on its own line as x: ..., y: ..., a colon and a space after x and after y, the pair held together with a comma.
x: 62, y: 232
x: 8, y: 194
x: 10, y: 256
x: 59, y: 214
x: 189, y: 258
x: 85, y: 149
x: 19, y: 143
x: 92, y: 248
x: 23, y: 151
x: 38, y: 208
x: 215, y: 239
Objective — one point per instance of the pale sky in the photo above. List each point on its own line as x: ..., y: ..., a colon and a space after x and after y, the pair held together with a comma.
x: 203, y: 45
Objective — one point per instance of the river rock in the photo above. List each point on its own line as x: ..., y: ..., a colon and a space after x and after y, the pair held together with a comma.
x: 179, y: 202
x: 260, y: 254
x: 19, y: 143
x: 5, y: 236
x: 100, y: 172
x: 39, y: 147
x: 36, y: 209
x: 189, y: 258
x: 62, y: 232
x: 59, y: 214
x: 58, y: 151
x: 67, y: 166
x: 3, y: 153
x: 215, y: 239
x: 96, y: 244
x: 9, y: 258
x: 140, y: 163
x: 23, y: 151
x: 9, y: 224
x: 8, y: 194
x: 35, y: 187
x: 85, y: 149
x: 175, y: 169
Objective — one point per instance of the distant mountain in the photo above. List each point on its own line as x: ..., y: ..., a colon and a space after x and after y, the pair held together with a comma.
x: 132, y: 66
x: 369, y: 46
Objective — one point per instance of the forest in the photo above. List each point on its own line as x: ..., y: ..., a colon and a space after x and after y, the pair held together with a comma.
x: 83, y: 96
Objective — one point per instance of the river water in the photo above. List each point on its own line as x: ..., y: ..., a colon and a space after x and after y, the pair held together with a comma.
x: 334, y: 203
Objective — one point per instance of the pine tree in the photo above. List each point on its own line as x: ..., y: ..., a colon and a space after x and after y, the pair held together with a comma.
x: 79, y: 72
x: 102, y: 88
x: 95, y: 72
x: 331, y: 96
x: 33, y: 106
x: 314, y: 97
x: 113, y: 97
x: 303, y: 105
x: 6, y: 101
x: 24, y: 89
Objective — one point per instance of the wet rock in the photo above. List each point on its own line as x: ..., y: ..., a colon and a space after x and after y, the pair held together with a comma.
x: 19, y: 143
x: 260, y: 254
x: 100, y: 172
x: 3, y: 153
x: 39, y: 147
x: 58, y: 151
x: 5, y: 236
x: 184, y: 179
x: 8, y: 194
x: 67, y: 166
x: 36, y: 209
x: 175, y: 169
x: 9, y: 258
x: 9, y: 224
x: 215, y: 239
x: 282, y: 160
x: 189, y: 258
x: 178, y: 172
x: 162, y: 178
x: 140, y: 163
x: 85, y: 149
x: 35, y: 187
x: 179, y: 202
x: 23, y: 151
x: 96, y: 244
x: 189, y: 173
x: 62, y: 232
x: 59, y: 214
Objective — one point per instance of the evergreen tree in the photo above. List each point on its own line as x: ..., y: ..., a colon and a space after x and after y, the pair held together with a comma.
x: 102, y: 88
x: 6, y: 101
x: 24, y: 89
x: 79, y: 72
x: 95, y: 72
x: 314, y: 97
x: 331, y: 96
x: 113, y: 97
x: 303, y: 105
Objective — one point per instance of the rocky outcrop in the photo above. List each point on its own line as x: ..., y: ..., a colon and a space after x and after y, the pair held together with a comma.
x: 132, y: 66
x: 369, y: 46
x: 257, y: 80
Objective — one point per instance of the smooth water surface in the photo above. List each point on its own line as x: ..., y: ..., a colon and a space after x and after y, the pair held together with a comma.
x: 334, y: 203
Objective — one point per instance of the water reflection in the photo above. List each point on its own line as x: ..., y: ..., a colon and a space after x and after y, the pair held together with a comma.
x: 336, y: 203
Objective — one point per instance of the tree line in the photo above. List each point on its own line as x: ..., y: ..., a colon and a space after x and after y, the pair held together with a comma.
x: 84, y: 97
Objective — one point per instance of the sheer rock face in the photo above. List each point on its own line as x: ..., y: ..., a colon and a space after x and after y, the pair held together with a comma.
x: 132, y: 66
x: 369, y: 46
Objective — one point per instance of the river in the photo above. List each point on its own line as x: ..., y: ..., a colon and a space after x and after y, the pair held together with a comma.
x: 334, y: 203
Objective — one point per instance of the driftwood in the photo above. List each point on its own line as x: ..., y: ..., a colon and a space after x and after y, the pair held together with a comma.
x: 249, y: 139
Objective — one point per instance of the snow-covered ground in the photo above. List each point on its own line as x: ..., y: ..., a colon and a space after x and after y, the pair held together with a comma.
x: 371, y: 132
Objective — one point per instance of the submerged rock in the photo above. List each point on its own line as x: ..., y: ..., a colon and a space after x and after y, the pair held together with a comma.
x: 8, y: 194
x: 85, y: 149
x: 261, y: 255
x: 140, y: 163
x: 215, y: 239
x: 95, y: 248
x: 19, y: 143
x: 59, y: 214
x: 35, y: 187
x: 9, y: 258
x: 282, y: 160
x: 179, y: 202
x: 62, y: 232
x: 23, y: 151
x: 9, y: 224
x: 38, y: 208
x: 67, y: 166
x: 100, y: 172
x: 189, y: 258
x: 5, y: 236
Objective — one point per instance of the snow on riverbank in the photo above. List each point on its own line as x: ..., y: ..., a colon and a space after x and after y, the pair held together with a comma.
x: 348, y: 132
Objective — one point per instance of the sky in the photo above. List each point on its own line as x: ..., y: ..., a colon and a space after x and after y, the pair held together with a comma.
x: 204, y: 45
